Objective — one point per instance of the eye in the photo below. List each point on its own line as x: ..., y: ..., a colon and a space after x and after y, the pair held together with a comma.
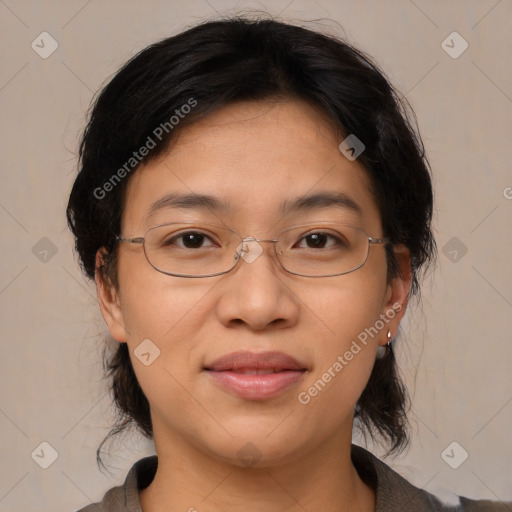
x: 187, y: 240
x: 320, y: 240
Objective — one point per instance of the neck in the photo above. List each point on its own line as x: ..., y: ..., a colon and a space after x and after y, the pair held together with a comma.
x: 323, y: 479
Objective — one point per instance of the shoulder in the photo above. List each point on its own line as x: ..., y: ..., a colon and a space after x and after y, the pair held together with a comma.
x: 125, y: 497
x: 395, y: 494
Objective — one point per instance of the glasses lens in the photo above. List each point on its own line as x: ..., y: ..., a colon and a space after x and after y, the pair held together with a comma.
x: 191, y: 249
x: 323, y: 249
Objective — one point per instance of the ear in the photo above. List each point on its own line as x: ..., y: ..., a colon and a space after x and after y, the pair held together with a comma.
x: 397, y: 293
x: 109, y: 300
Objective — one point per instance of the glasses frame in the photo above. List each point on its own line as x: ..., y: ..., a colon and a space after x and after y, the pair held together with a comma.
x: 141, y: 240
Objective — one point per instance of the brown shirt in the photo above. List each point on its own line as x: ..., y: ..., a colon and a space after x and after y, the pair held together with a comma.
x: 393, y: 492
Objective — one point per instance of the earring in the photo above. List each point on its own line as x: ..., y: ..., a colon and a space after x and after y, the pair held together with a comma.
x: 386, y: 349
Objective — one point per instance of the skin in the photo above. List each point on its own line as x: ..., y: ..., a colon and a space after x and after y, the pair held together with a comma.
x: 254, y: 156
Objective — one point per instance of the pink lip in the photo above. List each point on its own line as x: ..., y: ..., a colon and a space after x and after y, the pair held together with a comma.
x: 228, y: 372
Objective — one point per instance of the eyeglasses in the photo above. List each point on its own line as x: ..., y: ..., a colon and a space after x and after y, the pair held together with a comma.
x: 191, y: 249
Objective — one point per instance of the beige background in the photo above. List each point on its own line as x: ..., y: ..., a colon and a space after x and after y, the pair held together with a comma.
x: 460, y: 341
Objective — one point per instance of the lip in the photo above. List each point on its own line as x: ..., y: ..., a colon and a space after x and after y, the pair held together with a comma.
x: 256, y: 376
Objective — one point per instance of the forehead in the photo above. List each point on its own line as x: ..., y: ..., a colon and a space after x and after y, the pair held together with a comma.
x: 256, y: 161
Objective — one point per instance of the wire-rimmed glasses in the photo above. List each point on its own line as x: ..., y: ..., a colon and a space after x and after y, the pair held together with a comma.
x: 200, y: 249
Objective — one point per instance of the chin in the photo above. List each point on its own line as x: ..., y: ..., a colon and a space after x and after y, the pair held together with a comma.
x: 253, y: 446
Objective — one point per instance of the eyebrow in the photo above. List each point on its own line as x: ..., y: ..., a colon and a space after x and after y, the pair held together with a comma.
x: 320, y: 200
x: 302, y: 203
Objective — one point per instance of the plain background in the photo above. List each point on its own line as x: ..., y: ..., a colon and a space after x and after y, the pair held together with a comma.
x: 457, y: 348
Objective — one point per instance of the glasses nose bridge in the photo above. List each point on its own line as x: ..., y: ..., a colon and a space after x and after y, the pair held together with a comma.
x: 253, y: 239
x: 247, y: 252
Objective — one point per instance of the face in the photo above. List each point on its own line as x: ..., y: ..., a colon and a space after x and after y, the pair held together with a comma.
x: 253, y: 157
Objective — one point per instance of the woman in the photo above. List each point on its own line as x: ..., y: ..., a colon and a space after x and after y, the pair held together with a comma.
x: 255, y: 208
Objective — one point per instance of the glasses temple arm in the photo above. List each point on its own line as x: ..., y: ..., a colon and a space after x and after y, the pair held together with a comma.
x: 138, y: 240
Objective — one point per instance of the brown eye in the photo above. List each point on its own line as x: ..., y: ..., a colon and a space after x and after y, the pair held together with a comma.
x: 188, y: 240
x: 320, y: 240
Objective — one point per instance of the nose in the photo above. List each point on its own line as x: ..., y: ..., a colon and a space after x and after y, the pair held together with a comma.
x: 254, y: 293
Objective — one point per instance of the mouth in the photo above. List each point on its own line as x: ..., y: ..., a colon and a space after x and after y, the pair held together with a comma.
x: 255, y: 376
x: 258, y: 372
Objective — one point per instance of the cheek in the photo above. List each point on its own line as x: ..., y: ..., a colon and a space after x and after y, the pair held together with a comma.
x: 347, y: 305
x: 348, y: 312
x: 161, y: 316
x: 152, y: 303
